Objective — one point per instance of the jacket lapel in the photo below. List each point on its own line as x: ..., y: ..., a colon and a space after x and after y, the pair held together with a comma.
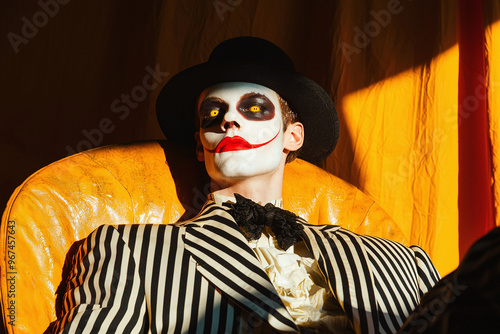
x: 224, y: 258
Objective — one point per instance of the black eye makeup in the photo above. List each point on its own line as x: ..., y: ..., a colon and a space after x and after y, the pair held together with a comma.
x: 212, y: 112
x: 256, y: 107
x: 252, y: 106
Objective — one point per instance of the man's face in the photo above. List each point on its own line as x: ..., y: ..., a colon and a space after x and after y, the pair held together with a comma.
x: 241, y: 130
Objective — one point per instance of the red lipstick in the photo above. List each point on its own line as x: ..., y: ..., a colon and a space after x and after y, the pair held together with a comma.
x: 237, y: 143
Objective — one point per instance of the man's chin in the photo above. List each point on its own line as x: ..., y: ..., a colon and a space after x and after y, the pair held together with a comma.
x: 244, y: 164
x: 240, y: 172
x: 234, y: 170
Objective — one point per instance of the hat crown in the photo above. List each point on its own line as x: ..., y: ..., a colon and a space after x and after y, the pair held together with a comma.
x: 248, y: 50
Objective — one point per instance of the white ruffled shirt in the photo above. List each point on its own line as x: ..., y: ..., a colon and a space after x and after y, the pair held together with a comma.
x: 297, y: 278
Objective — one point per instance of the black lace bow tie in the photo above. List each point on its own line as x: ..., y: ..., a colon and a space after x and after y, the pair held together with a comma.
x: 253, y: 218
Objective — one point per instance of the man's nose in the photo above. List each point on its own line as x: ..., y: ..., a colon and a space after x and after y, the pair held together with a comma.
x: 231, y: 120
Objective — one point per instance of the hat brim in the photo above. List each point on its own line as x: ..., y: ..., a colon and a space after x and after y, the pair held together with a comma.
x: 176, y: 104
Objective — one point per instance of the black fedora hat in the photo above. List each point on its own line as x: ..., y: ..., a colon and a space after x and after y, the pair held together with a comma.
x: 254, y: 60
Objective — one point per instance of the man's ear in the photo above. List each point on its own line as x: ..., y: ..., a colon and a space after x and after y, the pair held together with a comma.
x: 200, y: 154
x: 294, y: 137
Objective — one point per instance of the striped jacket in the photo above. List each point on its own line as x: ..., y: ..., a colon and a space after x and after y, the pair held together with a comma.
x: 201, y: 276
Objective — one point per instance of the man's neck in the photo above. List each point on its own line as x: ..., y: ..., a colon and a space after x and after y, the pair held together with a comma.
x: 260, y: 189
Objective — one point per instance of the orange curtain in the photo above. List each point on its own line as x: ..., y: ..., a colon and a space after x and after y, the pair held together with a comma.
x: 396, y: 81
x: 398, y: 98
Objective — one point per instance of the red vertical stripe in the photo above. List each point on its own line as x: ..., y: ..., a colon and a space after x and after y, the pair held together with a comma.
x: 475, y: 198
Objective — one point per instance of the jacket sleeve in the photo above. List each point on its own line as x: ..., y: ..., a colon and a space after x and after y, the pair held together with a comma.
x: 103, y: 291
x: 428, y: 275
x: 377, y: 282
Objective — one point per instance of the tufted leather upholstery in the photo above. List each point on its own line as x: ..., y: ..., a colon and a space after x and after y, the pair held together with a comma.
x: 146, y: 183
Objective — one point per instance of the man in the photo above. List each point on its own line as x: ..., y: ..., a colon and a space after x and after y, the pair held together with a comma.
x: 239, y: 266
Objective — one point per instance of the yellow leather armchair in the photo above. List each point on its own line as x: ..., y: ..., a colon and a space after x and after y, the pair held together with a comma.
x: 146, y: 183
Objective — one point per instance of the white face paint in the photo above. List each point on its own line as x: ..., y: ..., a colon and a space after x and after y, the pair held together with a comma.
x: 241, y: 130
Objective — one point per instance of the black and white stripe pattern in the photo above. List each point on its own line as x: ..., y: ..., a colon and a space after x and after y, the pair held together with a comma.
x: 201, y: 277
x: 103, y: 288
x: 378, y: 282
x: 153, y: 278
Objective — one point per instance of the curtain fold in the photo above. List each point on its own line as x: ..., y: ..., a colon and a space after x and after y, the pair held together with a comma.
x: 475, y: 197
x: 491, y: 15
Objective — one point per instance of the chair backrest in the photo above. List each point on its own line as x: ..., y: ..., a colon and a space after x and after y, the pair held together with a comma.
x: 146, y: 183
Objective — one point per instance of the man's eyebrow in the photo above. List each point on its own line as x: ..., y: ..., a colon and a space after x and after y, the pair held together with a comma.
x: 213, y: 99
x: 253, y: 95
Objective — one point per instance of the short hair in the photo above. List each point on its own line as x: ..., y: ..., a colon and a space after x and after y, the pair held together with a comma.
x: 289, y: 117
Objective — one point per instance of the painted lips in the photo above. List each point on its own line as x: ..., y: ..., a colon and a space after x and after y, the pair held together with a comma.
x: 237, y: 143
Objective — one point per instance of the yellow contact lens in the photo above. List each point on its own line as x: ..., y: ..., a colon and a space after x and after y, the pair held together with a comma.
x: 254, y: 108
x: 214, y: 112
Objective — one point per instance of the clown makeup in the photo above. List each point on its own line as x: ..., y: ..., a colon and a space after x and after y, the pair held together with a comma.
x: 252, y: 106
x: 240, y: 130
